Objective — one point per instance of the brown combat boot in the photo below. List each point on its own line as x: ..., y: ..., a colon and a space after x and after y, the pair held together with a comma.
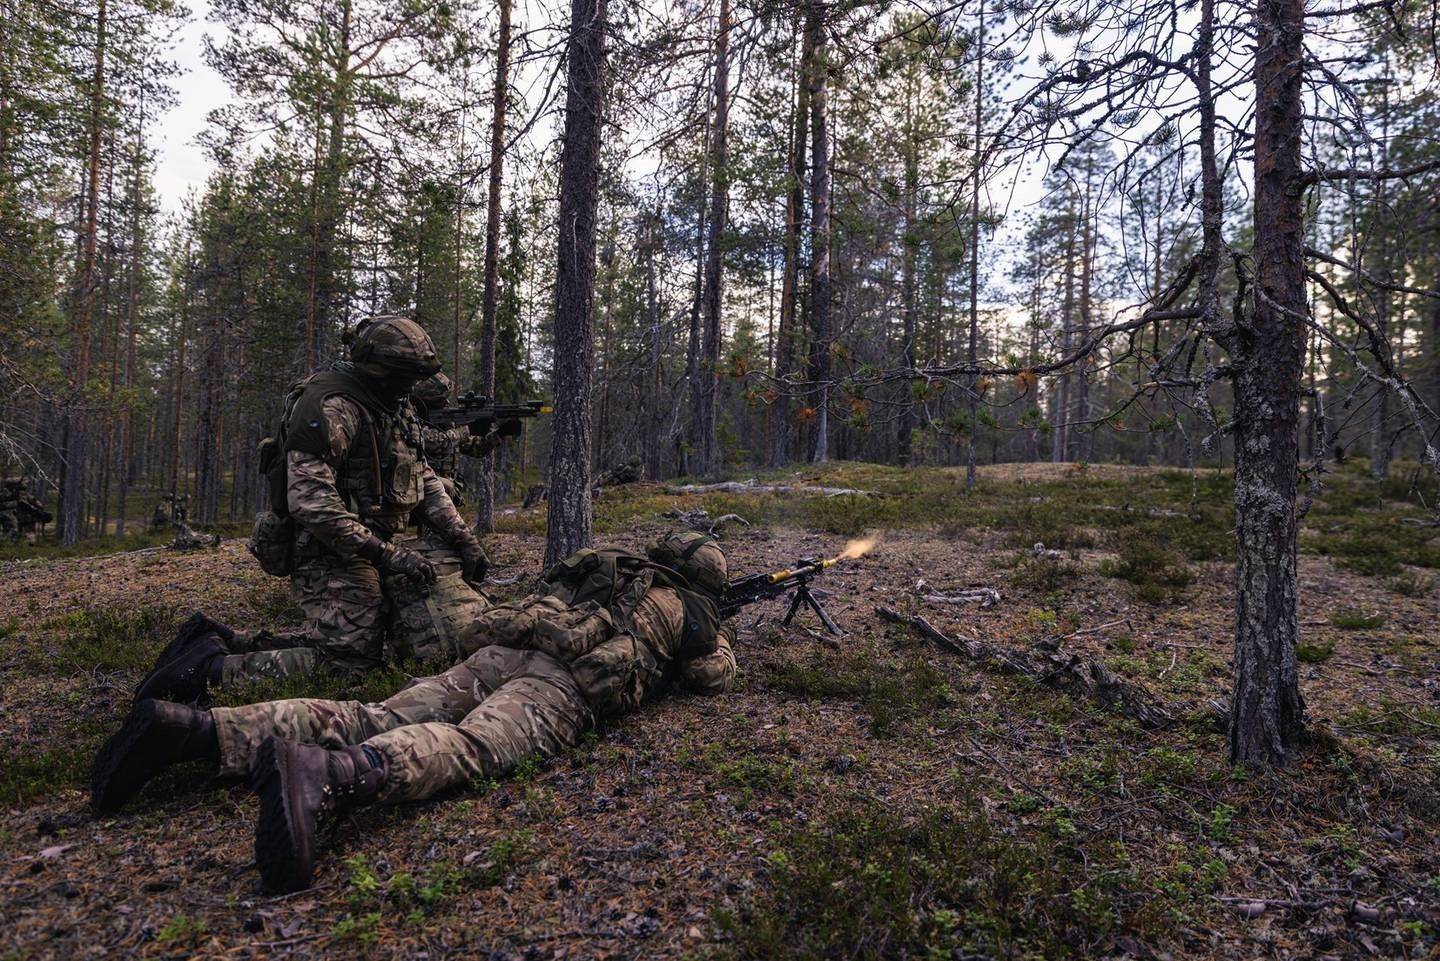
x: 185, y: 677
x: 156, y: 735
x: 300, y: 785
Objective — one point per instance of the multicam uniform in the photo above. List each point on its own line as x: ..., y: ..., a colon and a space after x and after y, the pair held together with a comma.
x: 542, y: 672
x: 354, y: 472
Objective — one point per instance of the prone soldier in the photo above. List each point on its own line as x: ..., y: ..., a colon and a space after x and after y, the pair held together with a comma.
x: 346, y: 472
x: 607, y: 630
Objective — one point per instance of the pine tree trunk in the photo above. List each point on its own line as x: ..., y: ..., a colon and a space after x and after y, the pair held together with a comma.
x: 183, y: 334
x: 70, y: 523
x: 655, y: 375
x: 909, y: 247
x: 1061, y: 420
x: 706, y: 415
x: 972, y: 347
x: 328, y: 214
x: 490, y: 300
x: 781, y: 427
x: 569, y: 518
x: 819, y: 233
x: 132, y: 323
x: 110, y: 331
x: 691, y: 458
x: 1268, y: 714
x: 1084, y: 441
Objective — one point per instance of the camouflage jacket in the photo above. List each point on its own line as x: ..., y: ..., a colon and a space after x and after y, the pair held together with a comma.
x: 443, y: 447
x: 625, y: 639
x: 351, y: 472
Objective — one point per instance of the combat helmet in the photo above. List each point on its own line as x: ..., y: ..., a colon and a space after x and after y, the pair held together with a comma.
x: 394, y: 349
x: 697, y: 557
x: 433, y: 391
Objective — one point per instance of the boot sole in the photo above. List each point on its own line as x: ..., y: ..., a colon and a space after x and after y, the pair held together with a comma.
x: 282, y: 865
x: 108, y: 789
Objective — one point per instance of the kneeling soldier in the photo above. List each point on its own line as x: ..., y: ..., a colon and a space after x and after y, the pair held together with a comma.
x: 346, y: 472
x: 608, y: 630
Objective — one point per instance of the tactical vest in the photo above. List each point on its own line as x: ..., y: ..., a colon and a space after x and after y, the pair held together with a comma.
x: 616, y: 580
x: 382, y: 476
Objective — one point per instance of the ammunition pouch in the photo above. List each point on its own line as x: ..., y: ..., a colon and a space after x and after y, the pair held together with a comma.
x: 429, y: 622
x: 272, y: 541
x: 615, y: 675
x: 701, y: 634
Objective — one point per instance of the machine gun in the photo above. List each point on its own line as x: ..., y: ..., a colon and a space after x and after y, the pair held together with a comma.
x: 759, y: 587
x: 479, y: 413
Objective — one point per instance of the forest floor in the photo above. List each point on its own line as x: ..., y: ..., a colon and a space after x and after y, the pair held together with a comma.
x: 872, y: 796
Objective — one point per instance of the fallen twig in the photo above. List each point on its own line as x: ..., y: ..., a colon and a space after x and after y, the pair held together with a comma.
x: 984, y: 596
x: 1073, y: 673
x: 724, y: 519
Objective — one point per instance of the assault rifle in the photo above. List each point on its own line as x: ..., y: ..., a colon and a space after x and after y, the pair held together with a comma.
x: 760, y: 587
x: 479, y: 413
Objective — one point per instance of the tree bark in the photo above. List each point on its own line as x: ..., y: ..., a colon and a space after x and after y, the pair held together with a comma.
x: 490, y: 301
x: 183, y: 334
x: 70, y: 523
x: 1061, y: 451
x: 819, y: 232
x: 655, y: 375
x: 706, y: 413
x: 909, y: 246
x: 972, y: 347
x: 690, y: 459
x: 569, y: 519
x: 790, y: 284
x: 1268, y: 713
x: 132, y: 323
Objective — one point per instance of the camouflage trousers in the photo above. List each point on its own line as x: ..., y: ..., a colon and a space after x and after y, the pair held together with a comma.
x: 349, y: 609
x: 478, y: 719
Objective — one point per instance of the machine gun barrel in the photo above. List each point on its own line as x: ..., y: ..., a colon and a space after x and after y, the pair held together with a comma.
x: 745, y: 591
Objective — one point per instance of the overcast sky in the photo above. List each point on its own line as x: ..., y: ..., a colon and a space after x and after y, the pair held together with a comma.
x: 183, y: 165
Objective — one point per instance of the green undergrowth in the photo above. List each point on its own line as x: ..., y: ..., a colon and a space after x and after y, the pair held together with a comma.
x: 100, y: 639
x: 870, y: 881
x: 1377, y: 528
x: 889, y: 693
x: 1157, y: 573
x: 1061, y: 512
x: 49, y: 548
x: 1368, y: 527
x: 376, y: 897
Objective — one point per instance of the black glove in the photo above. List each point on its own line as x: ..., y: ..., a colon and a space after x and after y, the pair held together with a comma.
x: 395, y: 559
x: 511, y: 427
x: 473, y: 562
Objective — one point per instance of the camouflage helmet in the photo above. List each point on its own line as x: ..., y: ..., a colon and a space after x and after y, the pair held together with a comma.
x: 697, y: 557
x: 433, y: 391
x: 390, y: 346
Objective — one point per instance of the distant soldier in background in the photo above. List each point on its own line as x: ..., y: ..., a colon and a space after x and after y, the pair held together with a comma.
x: 172, y: 509
x: 21, y: 512
x: 346, y: 472
x: 444, y: 447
